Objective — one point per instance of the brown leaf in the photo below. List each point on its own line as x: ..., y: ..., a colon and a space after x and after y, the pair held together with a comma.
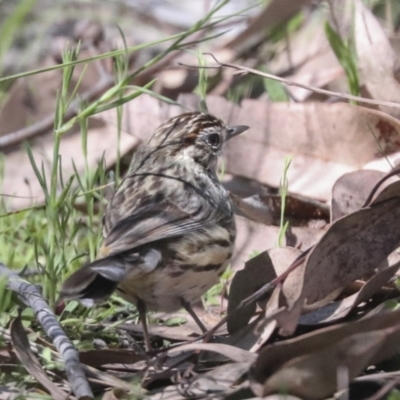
x: 386, y: 192
x: 351, y: 190
x: 265, y: 330
x: 356, y: 345
x: 253, y: 208
x: 266, y: 208
x: 351, y: 248
x: 375, y: 58
x: 233, y: 353
x: 257, y: 272
x: 282, y: 258
x: 277, y: 11
x: 312, y: 377
x: 339, y: 309
x: 25, y: 355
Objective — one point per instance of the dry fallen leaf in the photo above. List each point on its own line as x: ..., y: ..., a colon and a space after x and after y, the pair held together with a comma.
x: 375, y: 58
x: 266, y: 208
x: 312, y: 377
x: 386, y: 192
x: 257, y: 272
x: 353, y: 247
x: 254, y: 208
x: 301, y: 366
x: 230, y: 352
x: 340, y: 309
x: 22, y: 348
x: 351, y: 190
x: 276, y: 12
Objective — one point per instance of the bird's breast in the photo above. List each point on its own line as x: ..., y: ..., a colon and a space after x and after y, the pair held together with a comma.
x: 191, y: 266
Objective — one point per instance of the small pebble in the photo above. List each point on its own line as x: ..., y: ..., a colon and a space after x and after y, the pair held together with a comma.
x: 99, y: 343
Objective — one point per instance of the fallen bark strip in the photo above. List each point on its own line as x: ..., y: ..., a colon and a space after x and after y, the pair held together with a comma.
x: 30, y: 295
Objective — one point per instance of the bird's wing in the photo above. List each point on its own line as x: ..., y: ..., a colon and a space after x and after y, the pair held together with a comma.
x: 157, y: 221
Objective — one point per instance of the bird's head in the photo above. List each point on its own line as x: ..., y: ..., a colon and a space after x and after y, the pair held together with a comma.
x: 194, y: 136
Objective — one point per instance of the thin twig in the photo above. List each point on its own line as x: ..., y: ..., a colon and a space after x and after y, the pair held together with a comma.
x: 378, y: 185
x: 246, y: 70
x: 31, y: 296
x: 385, y: 389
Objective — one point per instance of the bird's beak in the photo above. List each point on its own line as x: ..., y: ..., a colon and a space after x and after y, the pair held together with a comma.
x: 236, y: 130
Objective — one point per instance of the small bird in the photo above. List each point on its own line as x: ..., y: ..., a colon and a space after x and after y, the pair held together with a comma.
x: 169, y: 229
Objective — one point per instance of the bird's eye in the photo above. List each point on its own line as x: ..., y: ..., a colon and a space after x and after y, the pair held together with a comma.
x: 213, y: 139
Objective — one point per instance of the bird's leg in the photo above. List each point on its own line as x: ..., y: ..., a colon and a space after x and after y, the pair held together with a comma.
x: 189, y: 309
x: 141, y: 307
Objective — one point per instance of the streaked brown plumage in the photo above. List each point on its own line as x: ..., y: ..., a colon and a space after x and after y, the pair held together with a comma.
x: 169, y: 229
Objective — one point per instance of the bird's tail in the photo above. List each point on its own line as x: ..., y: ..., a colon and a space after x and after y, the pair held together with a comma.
x: 94, y: 282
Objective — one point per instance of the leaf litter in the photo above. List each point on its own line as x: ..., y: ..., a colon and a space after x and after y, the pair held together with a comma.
x: 323, y: 296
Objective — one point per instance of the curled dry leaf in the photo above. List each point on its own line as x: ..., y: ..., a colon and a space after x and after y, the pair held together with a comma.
x: 300, y: 364
x: 266, y: 208
x: 266, y: 327
x: 376, y: 58
x: 351, y: 190
x: 25, y: 355
x: 386, y: 193
x: 312, y: 377
x: 254, y: 208
x: 257, y: 272
x: 233, y: 353
x: 340, y: 309
x: 282, y: 258
x: 282, y: 308
x: 353, y: 247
